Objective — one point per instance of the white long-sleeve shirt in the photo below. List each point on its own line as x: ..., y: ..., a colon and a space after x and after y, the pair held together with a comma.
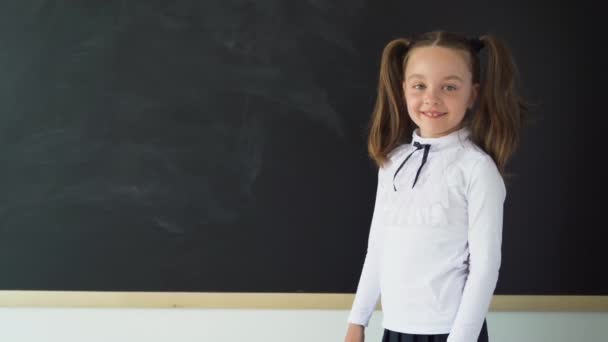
x: 434, y: 250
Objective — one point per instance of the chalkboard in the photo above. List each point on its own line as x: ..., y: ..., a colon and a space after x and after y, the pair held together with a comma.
x: 220, y: 146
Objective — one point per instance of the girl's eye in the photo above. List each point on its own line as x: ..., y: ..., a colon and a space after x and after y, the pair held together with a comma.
x: 448, y: 87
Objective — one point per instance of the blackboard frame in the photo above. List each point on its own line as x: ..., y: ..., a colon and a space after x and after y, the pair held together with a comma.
x: 291, y: 301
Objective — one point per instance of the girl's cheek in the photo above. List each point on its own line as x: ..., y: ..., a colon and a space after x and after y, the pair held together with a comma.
x: 413, y: 100
x: 413, y: 96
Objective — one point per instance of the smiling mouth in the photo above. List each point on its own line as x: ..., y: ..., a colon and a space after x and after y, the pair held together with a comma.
x: 433, y: 114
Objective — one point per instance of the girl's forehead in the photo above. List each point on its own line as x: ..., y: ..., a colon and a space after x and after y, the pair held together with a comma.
x: 437, y: 61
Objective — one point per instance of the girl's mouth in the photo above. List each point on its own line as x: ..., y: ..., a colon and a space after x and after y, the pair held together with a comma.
x: 433, y: 114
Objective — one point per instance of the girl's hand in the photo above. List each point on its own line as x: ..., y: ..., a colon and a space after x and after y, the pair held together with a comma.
x: 355, y: 333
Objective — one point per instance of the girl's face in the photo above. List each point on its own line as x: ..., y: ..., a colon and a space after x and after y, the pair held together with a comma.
x: 438, y: 89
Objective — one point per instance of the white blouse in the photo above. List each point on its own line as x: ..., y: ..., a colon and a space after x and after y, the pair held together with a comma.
x: 434, y: 249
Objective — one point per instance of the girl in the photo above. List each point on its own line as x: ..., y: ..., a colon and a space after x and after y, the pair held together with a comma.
x: 440, y: 136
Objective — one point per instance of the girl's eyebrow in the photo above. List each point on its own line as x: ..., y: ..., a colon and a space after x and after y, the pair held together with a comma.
x: 451, y: 77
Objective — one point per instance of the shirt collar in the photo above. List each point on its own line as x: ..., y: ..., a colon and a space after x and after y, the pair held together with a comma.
x: 439, y: 143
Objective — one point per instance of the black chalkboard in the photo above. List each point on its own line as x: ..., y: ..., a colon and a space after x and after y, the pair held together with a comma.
x: 220, y: 146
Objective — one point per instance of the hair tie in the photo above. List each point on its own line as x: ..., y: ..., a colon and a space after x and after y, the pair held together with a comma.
x: 476, y: 44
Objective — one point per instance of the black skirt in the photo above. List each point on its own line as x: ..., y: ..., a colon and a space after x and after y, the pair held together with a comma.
x: 392, y: 336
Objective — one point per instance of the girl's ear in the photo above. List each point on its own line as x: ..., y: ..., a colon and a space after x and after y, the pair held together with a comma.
x: 473, y: 97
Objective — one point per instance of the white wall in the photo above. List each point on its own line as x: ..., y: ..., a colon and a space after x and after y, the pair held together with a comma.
x: 188, y: 325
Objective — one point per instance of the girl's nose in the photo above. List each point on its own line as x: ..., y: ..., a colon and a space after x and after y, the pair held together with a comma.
x: 431, y: 98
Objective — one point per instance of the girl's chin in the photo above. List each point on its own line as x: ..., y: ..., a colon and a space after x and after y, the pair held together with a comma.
x: 430, y: 129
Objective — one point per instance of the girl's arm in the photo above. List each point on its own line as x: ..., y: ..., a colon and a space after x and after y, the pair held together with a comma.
x: 368, y: 290
x: 486, y: 194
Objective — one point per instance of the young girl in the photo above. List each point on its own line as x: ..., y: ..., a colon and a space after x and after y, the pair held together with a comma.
x: 441, y: 134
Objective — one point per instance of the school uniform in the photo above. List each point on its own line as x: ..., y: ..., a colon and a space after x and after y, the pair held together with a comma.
x: 434, y: 247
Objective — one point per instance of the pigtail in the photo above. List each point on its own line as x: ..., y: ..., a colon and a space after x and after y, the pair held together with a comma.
x: 389, y: 123
x: 501, y: 111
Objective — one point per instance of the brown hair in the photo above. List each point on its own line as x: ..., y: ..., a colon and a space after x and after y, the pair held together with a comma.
x: 496, y: 120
